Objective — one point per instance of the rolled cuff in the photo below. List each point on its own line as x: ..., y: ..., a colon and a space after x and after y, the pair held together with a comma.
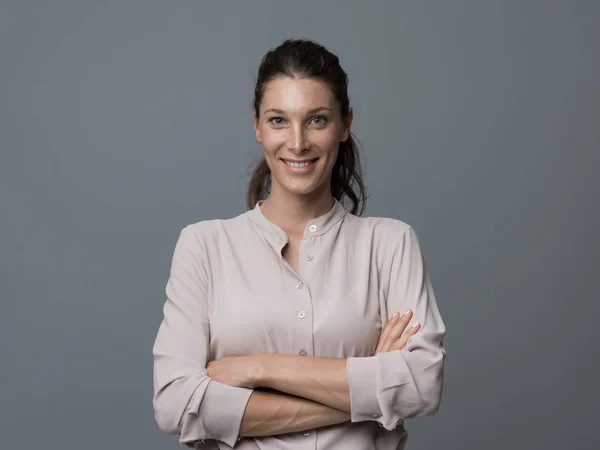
x: 222, y: 410
x: 362, y: 379
x: 382, y: 389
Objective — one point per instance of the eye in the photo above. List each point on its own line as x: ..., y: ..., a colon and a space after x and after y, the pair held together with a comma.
x: 276, y: 120
x: 319, y: 120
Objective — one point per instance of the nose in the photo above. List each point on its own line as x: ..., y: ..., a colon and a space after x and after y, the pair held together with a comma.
x: 298, y: 143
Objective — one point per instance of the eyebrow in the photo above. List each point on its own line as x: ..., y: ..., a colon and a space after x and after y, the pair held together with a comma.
x: 312, y: 111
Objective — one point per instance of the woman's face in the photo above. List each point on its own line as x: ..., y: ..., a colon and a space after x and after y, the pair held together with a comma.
x: 300, y: 129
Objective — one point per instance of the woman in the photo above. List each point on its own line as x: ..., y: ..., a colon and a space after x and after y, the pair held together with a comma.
x: 299, y: 324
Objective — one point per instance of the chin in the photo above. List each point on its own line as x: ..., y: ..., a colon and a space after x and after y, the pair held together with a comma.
x: 303, y: 189
x: 300, y: 190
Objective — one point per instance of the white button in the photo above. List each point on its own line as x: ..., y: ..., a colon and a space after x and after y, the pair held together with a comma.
x: 312, y: 228
x: 301, y: 314
x: 306, y: 433
x: 299, y: 285
x: 302, y: 352
x: 217, y: 437
x: 376, y: 416
x: 308, y: 257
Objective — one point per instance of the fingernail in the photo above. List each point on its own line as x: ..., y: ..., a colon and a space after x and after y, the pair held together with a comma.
x: 395, y: 315
x: 406, y: 312
x: 415, y: 325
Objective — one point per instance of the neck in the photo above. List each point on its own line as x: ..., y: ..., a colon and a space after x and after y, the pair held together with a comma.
x: 292, y: 212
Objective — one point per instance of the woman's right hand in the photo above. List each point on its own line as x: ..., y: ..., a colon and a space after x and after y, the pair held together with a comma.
x: 395, y: 336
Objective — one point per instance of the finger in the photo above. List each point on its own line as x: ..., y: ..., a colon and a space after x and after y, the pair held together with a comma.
x: 386, y: 331
x: 395, y: 332
x: 399, y: 328
x: 403, y: 340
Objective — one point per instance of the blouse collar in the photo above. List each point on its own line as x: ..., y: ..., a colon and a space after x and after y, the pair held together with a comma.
x: 315, y: 227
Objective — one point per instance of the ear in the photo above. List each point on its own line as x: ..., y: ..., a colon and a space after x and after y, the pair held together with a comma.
x: 347, y: 125
x: 256, y: 127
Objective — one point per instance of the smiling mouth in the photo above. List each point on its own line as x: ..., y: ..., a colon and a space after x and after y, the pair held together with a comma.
x: 300, y: 164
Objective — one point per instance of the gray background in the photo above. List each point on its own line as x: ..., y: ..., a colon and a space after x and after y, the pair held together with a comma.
x: 123, y: 121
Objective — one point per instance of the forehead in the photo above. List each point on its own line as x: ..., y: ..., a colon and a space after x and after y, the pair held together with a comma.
x: 296, y: 94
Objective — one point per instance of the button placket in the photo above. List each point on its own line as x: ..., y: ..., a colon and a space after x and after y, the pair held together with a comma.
x: 302, y: 297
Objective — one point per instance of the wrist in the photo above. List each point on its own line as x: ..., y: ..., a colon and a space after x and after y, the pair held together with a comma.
x: 262, y: 370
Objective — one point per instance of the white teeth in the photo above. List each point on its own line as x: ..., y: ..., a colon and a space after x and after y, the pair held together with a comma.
x: 298, y: 165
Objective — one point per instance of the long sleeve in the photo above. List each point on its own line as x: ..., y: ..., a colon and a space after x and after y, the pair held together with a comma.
x: 186, y: 401
x: 390, y: 387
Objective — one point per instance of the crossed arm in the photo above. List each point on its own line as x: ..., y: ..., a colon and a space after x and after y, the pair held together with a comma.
x: 198, y: 401
x: 311, y: 392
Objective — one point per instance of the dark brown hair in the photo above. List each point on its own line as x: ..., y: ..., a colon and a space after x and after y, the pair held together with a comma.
x: 307, y: 59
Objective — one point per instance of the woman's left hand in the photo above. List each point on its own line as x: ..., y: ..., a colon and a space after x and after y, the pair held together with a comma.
x: 395, y: 336
x: 236, y: 371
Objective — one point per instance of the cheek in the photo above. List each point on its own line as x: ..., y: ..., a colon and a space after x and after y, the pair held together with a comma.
x: 328, y: 138
x: 271, y: 141
x: 329, y: 144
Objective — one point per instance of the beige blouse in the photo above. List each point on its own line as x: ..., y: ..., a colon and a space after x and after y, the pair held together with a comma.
x: 230, y: 292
